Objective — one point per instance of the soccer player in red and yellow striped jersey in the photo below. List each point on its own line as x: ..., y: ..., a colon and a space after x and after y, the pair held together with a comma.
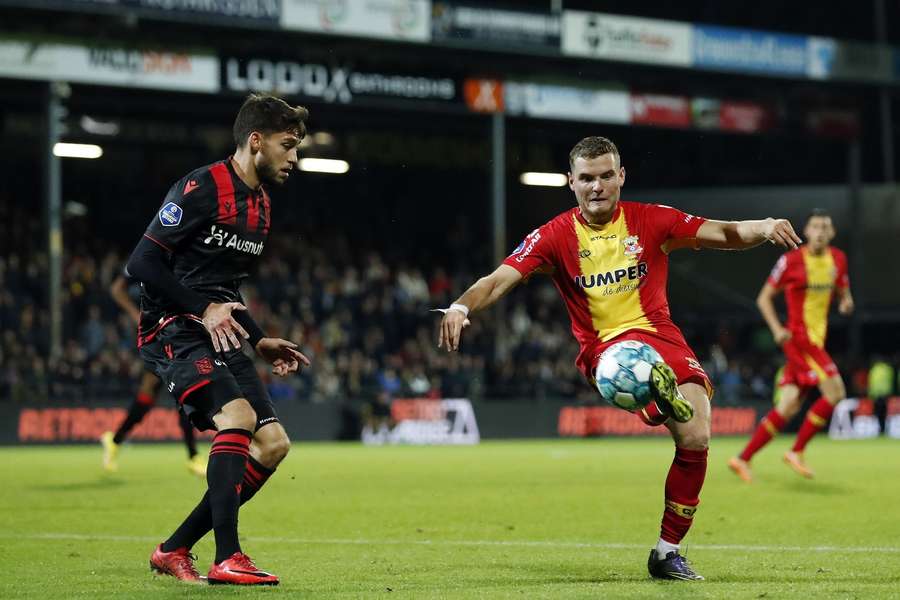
x: 609, y: 261
x: 809, y: 277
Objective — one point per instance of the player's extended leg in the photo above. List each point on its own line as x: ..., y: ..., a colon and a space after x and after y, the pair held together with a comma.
x: 139, y: 408
x: 669, y: 401
x: 683, y: 484
x: 833, y: 391
x: 789, y: 403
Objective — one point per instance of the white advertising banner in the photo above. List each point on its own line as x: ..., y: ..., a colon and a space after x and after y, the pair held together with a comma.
x: 109, y: 66
x: 849, y: 422
x: 403, y: 20
x: 612, y: 37
x: 566, y: 102
x: 449, y: 421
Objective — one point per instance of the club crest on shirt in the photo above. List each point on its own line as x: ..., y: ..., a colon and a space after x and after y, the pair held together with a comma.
x: 170, y: 215
x: 204, y: 365
x: 632, y: 245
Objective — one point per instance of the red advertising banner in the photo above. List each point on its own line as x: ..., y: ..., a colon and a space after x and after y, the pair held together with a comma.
x: 585, y: 421
x: 88, y: 424
x: 835, y: 123
x: 746, y: 117
x: 660, y: 110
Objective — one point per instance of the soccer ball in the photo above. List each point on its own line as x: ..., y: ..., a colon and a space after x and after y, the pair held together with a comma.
x: 623, y: 374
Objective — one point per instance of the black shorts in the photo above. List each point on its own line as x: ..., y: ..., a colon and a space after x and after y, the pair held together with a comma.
x: 202, y: 380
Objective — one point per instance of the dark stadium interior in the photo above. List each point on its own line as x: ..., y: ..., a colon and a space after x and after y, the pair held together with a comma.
x: 417, y: 200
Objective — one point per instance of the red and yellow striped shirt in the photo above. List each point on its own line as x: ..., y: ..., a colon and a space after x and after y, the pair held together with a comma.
x: 612, y: 277
x: 809, y: 283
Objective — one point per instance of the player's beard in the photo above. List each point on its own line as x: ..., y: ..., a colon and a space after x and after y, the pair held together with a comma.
x: 267, y: 172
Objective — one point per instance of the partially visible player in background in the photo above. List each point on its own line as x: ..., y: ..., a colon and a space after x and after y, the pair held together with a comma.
x: 121, y: 292
x: 609, y: 261
x: 809, y: 277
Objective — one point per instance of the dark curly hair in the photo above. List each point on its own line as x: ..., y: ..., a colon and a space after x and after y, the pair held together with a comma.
x: 268, y: 114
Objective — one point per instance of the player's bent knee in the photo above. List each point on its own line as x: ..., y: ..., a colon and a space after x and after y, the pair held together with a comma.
x: 276, y: 450
x: 237, y: 414
x: 695, y: 441
x: 693, y: 435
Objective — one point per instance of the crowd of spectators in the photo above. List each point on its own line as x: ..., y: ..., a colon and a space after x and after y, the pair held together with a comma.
x: 363, y: 321
x: 360, y: 309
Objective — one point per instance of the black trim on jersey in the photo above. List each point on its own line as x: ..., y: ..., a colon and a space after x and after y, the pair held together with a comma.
x: 148, y: 264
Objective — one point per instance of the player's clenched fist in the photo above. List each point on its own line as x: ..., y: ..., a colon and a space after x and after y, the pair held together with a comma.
x: 222, y: 327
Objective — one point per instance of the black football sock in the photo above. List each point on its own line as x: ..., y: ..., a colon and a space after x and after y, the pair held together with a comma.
x: 187, y: 429
x: 139, y: 408
x: 199, y: 522
x: 224, y: 475
x: 193, y: 528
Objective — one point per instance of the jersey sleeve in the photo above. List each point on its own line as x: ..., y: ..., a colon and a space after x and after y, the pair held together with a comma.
x: 842, y: 277
x: 535, y: 251
x: 673, y: 223
x: 777, y: 276
x: 190, y: 205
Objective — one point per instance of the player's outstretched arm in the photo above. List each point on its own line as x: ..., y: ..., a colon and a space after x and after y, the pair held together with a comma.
x: 740, y: 235
x: 765, y: 301
x: 482, y: 294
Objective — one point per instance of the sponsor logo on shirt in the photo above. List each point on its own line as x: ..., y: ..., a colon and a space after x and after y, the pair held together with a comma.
x: 170, y: 215
x: 221, y: 238
x: 634, y: 272
x: 694, y: 364
x: 533, y: 238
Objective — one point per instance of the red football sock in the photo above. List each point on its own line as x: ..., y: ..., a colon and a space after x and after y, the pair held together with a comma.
x: 651, y: 415
x: 771, y: 424
x: 145, y: 399
x: 683, y: 486
x: 816, y: 417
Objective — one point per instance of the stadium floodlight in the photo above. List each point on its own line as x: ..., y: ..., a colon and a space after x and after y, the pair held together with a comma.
x: 64, y: 150
x: 324, y: 165
x: 323, y: 138
x: 543, y: 179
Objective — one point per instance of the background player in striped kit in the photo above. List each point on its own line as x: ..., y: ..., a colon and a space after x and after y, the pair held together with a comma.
x: 809, y: 277
x: 609, y: 261
x: 145, y: 399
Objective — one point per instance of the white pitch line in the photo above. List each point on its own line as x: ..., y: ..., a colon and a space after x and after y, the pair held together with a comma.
x: 474, y: 543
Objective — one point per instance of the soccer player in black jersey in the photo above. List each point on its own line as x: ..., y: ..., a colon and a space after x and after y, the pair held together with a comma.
x: 124, y: 292
x: 197, y: 250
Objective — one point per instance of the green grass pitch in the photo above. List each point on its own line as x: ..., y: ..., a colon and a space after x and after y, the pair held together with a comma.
x: 524, y: 519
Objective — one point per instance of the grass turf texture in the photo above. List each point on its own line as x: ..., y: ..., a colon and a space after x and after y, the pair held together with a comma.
x: 545, y: 519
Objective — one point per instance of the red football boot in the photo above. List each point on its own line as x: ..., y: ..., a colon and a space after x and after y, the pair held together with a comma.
x: 177, y: 563
x: 238, y: 569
